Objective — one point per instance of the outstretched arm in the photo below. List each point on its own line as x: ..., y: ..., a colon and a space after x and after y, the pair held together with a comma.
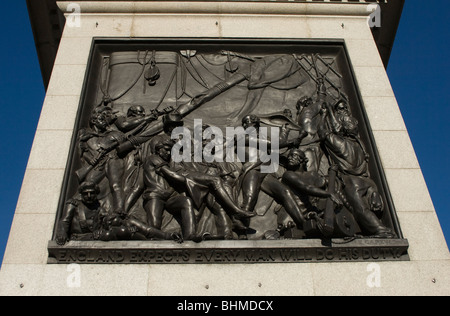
x: 333, y: 121
x: 127, y: 124
x: 171, y: 175
x: 162, y: 167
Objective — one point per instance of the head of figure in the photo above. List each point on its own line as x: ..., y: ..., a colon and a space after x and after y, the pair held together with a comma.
x: 172, y: 121
x: 251, y: 121
x: 341, y: 106
x: 287, y: 113
x: 108, y: 113
x: 162, y: 145
x: 136, y: 111
x: 304, y: 102
x: 296, y: 159
x: 101, y: 118
x: 349, y: 126
x: 89, y: 192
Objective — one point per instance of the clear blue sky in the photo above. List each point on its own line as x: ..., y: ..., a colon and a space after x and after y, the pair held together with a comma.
x: 418, y: 71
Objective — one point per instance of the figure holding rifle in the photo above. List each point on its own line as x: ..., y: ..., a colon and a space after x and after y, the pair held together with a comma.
x: 98, y: 151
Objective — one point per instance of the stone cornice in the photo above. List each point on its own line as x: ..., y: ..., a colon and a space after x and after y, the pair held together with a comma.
x: 221, y: 7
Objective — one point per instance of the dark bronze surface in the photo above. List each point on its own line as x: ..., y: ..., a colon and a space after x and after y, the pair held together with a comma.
x: 231, y: 252
x: 122, y: 183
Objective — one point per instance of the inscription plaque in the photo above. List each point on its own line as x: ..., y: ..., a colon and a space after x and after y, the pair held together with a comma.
x: 223, y: 151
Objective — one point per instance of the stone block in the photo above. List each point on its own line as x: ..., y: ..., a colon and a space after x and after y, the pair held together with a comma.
x: 396, y: 150
x: 40, y: 191
x: 50, y: 149
x: 59, y: 112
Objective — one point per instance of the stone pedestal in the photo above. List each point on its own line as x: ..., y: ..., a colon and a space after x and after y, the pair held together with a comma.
x: 26, y: 268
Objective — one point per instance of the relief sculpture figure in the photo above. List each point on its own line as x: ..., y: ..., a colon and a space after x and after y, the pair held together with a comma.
x: 345, y: 149
x: 97, y: 146
x: 159, y: 195
x: 82, y: 216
